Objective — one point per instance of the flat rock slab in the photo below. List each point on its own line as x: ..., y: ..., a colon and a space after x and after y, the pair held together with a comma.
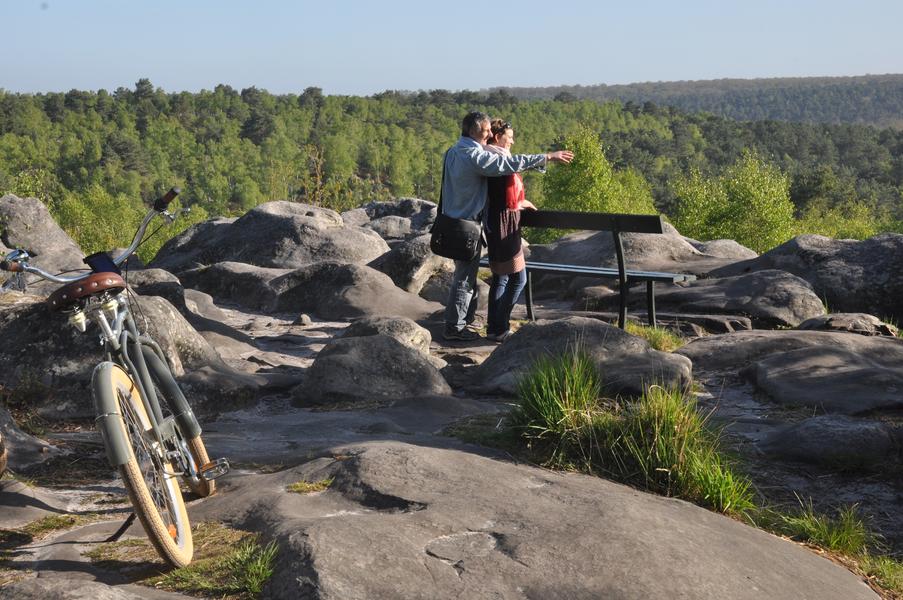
x: 860, y: 323
x: 837, y: 442
x: 830, y: 372
x: 403, y: 521
x: 626, y: 363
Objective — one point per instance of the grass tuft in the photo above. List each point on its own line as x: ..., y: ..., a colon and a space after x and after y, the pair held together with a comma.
x: 658, y: 337
x: 658, y: 442
x: 308, y: 487
x: 846, y: 533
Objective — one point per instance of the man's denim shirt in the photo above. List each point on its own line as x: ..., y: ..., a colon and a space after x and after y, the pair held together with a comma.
x: 467, y: 165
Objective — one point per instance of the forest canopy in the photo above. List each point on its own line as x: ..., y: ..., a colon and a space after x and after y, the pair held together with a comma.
x: 83, y: 152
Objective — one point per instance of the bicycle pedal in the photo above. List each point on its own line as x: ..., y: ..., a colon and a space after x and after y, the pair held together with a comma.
x: 214, y: 469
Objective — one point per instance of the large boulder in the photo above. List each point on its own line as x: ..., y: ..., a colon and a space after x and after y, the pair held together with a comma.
x: 277, y: 234
x: 237, y: 282
x: 411, y: 264
x: 335, y: 290
x: 401, y: 329
x: 851, y: 276
x: 443, y: 523
x: 625, y: 362
x: 669, y: 252
x: 26, y: 223
x: 50, y: 362
x: 769, y: 298
x: 367, y: 370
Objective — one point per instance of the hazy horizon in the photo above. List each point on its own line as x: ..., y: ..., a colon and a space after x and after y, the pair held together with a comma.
x: 362, y: 49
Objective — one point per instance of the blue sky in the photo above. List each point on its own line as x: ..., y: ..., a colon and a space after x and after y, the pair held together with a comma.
x: 363, y: 47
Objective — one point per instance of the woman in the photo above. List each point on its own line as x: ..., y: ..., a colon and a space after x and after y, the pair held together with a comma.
x: 506, y: 258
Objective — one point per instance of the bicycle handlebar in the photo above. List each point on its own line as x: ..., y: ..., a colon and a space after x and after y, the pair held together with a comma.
x: 15, y: 266
x: 164, y: 200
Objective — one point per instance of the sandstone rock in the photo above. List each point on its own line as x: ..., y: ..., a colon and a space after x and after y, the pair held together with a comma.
x: 17, y: 448
x: 668, y: 252
x: 375, y: 368
x: 64, y: 588
x: 420, y: 213
x: 27, y: 224
x: 831, y: 379
x: 849, y: 275
x: 391, y: 227
x: 356, y: 217
x: 411, y: 264
x: 229, y: 281
x: 626, y: 363
x: 444, y: 523
x: 403, y: 330
x: 860, y: 323
x: 157, y: 282
x: 835, y: 442
x: 334, y: 290
x: 724, y: 249
x: 769, y: 298
x: 277, y: 235
x: 44, y: 357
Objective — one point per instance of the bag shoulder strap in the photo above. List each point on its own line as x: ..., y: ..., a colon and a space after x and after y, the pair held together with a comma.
x: 442, y: 182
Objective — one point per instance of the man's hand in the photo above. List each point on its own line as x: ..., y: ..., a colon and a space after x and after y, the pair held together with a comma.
x: 527, y: 205
x: 562, y: 156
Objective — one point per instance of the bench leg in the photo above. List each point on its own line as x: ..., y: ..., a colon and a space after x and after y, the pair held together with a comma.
x: 650, y: 301
x: 622, y: 307
x: 529, y: 298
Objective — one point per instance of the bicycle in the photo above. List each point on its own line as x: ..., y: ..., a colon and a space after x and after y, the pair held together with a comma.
x: 148, y: 428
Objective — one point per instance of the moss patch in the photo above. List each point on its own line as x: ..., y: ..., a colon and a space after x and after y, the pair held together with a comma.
x: 228, y: 563
x: 308, y: 487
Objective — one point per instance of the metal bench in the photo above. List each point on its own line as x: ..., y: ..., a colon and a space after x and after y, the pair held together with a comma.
x: 617, y: 224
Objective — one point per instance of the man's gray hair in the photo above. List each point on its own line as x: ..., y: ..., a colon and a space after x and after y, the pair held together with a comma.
x: 471, y: 123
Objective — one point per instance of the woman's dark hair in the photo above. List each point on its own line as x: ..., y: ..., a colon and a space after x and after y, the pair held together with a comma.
x: 471, y: 122
x: 498, y: 127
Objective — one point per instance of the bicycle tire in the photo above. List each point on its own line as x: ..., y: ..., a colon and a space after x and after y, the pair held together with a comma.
x: 149, y: 480
x: 159, y: 371
x: 198, y: 451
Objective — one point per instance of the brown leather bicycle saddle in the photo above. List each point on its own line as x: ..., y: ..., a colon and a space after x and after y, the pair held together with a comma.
x: 95, y: 283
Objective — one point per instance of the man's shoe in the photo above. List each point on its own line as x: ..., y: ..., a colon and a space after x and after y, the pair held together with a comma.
x: 500, y: 337
x: 464, y: 335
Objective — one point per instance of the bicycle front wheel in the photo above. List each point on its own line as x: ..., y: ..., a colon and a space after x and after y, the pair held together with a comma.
x: 148, y: 477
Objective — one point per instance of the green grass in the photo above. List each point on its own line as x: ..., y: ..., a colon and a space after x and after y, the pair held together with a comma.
x: 49, y: 524
x: 658, y: 337
x: 309, y: 487
x: 228, y: 563
x: 658, y: 442
x: 846, y: 533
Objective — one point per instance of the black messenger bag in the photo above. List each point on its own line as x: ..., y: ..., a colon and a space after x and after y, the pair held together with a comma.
x: 458, y: 239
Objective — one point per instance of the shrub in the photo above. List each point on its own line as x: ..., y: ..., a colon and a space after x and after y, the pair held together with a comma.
x: 590, y: 184
x: 749, y: 203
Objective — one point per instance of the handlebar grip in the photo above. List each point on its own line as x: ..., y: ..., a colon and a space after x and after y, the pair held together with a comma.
x: 12, y: 266
x: 163, y: 201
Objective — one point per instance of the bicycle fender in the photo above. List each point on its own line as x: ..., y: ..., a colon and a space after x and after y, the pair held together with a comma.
x: 184, y: 416
x: 109, y: 416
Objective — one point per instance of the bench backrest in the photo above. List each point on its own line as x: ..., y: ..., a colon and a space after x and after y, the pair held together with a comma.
x: 622, y: 223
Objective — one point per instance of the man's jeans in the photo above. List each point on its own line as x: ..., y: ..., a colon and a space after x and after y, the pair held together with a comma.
x: 461, y: 306
x: 503, y: 293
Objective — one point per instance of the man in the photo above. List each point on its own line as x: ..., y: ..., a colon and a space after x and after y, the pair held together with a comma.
x: 464, y: 195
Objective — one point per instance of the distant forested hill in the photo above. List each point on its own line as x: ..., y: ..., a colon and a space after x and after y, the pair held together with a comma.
x: 90, y: 155
x: 870, y: 99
